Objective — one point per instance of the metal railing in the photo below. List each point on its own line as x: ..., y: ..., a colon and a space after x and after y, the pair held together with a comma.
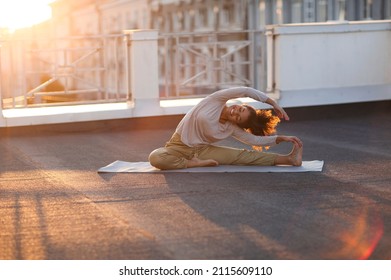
x: 95, y: 69
x: 64, y: 71
x: 196, y: 64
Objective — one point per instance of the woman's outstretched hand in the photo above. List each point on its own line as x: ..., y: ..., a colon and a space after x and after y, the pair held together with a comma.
x: 295, y: 140
x: 278, y: 109
x: 281, y: 112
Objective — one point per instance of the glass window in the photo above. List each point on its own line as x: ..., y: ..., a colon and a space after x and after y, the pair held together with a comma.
x: 202, y: 17
x: 296, y: 11
x: 262, y: 13
x: 321, y: 10
x: 387, y: 9
x: 309, y: 11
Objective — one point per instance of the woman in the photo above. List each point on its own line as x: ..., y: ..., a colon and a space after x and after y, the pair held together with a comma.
x: 212, y: 120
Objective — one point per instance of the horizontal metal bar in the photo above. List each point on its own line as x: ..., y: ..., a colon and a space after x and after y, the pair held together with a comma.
x: 79, y: 102
x: 63, y: 49
x: 209, y: 33
x: 77, y: 91
x: 38, y: 88
x: 68, y: 38
x: 85, y: 69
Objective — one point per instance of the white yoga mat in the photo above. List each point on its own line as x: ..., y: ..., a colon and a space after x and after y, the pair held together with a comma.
x: 144, y: 167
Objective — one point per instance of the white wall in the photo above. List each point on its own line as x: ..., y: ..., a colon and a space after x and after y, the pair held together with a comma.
x: 318, y: 64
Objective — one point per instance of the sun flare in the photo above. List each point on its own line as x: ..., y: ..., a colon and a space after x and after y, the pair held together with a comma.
x: 18, y: 14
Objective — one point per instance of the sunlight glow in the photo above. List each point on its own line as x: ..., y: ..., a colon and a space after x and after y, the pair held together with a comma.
x: 363, y: 238
x: 18, y: 14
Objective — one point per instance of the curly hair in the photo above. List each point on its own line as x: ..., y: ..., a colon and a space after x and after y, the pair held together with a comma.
x: 261, y: 123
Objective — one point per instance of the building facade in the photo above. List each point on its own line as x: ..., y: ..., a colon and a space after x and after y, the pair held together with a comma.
x: 92, y: 17
x: 81, y: 17
x: 301, y: 11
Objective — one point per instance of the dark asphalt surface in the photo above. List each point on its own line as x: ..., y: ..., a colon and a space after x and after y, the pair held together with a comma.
x: 54, y: 205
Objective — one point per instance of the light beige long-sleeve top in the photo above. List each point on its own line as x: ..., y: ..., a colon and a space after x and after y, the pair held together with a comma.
x: 201, y: 125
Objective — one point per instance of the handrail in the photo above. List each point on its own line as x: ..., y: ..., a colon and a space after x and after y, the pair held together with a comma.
x: 80, y: 63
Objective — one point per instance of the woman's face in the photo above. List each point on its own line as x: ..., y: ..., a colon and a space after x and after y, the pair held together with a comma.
x: 238, y: 114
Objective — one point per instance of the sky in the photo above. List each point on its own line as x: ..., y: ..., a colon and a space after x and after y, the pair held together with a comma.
x: 16, y: 14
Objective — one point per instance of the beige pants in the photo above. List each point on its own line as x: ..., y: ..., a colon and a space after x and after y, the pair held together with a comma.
x: 175, y: 155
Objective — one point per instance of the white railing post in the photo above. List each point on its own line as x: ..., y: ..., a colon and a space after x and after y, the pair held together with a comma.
x: 143, y: 68
x: 271, y: 89
x: 2, y: 120
x: 269, y: 61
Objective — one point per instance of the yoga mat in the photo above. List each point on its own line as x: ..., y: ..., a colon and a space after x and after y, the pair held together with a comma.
x: 144, y: 167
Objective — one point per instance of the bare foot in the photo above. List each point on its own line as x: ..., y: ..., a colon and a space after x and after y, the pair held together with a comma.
x: 295, y: 157
x: 196, y: 162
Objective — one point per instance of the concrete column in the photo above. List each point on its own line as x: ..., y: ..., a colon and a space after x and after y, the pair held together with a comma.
x: 143, y: 68
x: 2, y: 120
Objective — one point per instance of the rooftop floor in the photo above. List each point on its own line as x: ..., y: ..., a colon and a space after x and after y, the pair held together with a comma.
x: 54, y: 205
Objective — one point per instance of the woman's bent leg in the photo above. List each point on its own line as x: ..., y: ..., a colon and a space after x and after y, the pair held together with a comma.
x: 174, y: 155
x: 164, y: 158
x: 196, y: 162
